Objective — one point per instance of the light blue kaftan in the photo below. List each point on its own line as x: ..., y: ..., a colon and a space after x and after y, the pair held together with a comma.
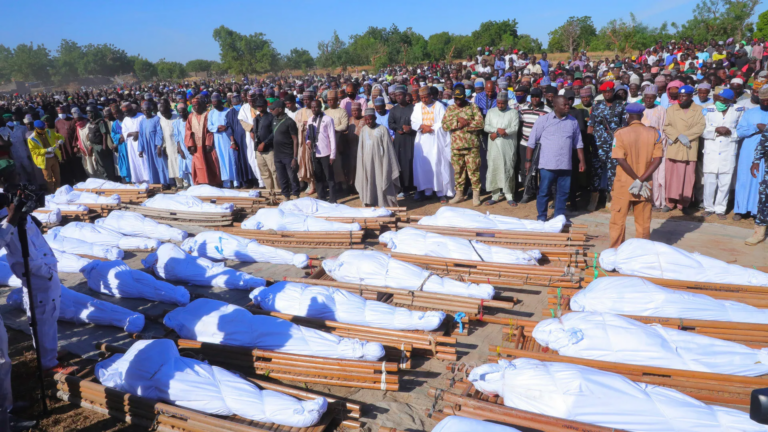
x: 150, y: 139
x: 123, y: 162
x: 746, y: 185
x: 223, y: 144
x: 185, y: 163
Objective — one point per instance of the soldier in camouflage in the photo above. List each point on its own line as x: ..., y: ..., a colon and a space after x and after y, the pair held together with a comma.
x: 761, y: 218
x: 607, y: 116
x: 465, y: 122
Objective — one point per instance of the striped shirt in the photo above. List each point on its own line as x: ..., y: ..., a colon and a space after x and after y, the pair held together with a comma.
x: 528, y: 116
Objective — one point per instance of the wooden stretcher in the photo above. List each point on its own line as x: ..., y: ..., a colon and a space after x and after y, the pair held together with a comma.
x: 127, y: 196
x: 301, y: 239
x: 75, y: 215
x: 84, y: 390
x: 207, y: 219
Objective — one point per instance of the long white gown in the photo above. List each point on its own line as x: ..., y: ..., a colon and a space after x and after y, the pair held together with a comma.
x: 139, y: 169
x: 432, y: 169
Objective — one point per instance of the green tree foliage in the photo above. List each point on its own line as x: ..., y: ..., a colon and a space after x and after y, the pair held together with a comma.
x: 528, y: 43
x: 199, y: 65
x: 245, y: 54
x: 104, y: 59
x: 31, y: 63
x: 332, y: 53
x: 6, y: 57
x: 144, y: 69
x: 576, y: 34
x: 170, y: 70
x: 720, y: 19
x: 299, y: 58
x: 496, y: 34
x: 761, y: 32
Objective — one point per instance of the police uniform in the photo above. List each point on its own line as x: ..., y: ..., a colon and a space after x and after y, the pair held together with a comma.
x: 719, y: 156
x: 638, y: 144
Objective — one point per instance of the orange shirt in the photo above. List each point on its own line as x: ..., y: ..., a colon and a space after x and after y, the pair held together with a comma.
x: 639, y: 145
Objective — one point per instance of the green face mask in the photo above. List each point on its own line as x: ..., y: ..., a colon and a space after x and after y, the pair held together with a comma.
x: 721, y: 106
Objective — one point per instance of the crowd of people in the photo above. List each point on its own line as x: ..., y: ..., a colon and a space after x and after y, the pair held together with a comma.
x: 518, y: 127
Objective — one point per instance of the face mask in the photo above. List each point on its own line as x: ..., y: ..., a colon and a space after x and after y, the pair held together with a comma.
x: 445, y: 101
x: 468, y: 92
x: 40, y: 131
x: 520, y: 99
x: 63, y: 116
x: 720, y: 106
x: 238, y: 106
x: 764, y: 106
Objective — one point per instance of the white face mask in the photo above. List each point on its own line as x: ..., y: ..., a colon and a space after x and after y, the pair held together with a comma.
x: 63, y: 116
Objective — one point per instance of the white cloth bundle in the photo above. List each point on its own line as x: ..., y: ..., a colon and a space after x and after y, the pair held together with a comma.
x: 464, y: 424
x: 134, y: 224
x: 173, y: 264
x: 580, y: 393
x: 205, y: 190
x: 615, y: 338
x: 278, y: 220
x: 220, y: 246
x: 115, y: 278
x: 67, y: 195
x: 70, y: 263
x: 51, y: 217
x: 379, y: 269
x: 214, y: 321
x: 155, y: 370
x: 640, y: 257
x: 7, y: 278
x: 65, y: 207
x: 333, y: 304
x: 186, y: 203
x: 83, y: 309
x: 314, y: 207
x: 74, y: 245
x: 466, y: 218
x: 418, y: 242
x: 636, y: 296
x: 94, y: 183
x: 106, y: 237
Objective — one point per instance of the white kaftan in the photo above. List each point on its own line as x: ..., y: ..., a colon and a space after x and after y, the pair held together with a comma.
x: 139, y: 168
x: 432, y: 169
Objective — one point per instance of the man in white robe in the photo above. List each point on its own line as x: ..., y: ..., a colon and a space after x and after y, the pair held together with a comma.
x: 432, y: 169
x: 377, y: 178
x: 167, y: 118
x: 139, y: 168
x: 245, y: 117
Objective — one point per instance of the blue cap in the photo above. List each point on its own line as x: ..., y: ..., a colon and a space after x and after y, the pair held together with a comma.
x: 39, y: 124
x: 635, y: 108
x: 686, y: 89
x: 545, y: 81
x: 726, y: 93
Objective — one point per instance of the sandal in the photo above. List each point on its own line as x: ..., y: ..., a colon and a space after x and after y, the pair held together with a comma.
x: 511, y: 203
x: 490, y: 202
x: 443, y: 200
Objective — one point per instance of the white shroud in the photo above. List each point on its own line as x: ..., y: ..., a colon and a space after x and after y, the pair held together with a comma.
x: 134, y: 224
x: 278, y: 220
x: 583, y: 394
x: 220, y: 246
x: 74, y: 245
x: 615, y: 338
x: 94, y: 183
x: 83, y: 309
x: 314, y: 207
x: 104, y: 236
x: 173, y: 264
x: 67, y: 195
x: 186, y: 203
x: 214, y: 321
x: 640, y: 257
x: 464, y: 424
x: 457, y: 217
x: 204, y: 190
x: 70, y: 263
x: 635, y: 296
x: 418, y: 242
x: 333, y: 304
x: 379, y: 269
x: 115, y: 278
x: 155, y: 370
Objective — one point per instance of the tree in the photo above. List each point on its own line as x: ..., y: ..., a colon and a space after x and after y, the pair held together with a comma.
x: 104, y: 59
x: 199, y: 65
x: 575, y: 33
x: 245, y: 54
x: 67, y: 62
x: 528, y: 43
x: 170, y: 70
x: 495, y: 33
x: 618, y: 34
x: 6, y: 57
x: 30, y: 63
x: 332, y: 53
x: 299, y: 58
x: 720, y: 19
x: 144, y: 69
x: 439, y: 45
x: 762, y: 26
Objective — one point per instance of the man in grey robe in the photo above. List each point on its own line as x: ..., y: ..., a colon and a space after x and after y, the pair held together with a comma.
x: 378, y: 172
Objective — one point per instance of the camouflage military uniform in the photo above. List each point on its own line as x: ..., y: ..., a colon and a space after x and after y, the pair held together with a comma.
x: 601, y: 151
x: 761, y: 153
x: 465, y: 143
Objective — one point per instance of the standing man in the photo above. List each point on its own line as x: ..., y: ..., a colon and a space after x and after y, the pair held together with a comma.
x: 400, y: 124
x: 655, y: 116
x: 341, y: 123
x: 247, y: 119
x: 222, y: 139
x: 501, y: 124
x: 185, y: 159
x: 684, y: 125
x: 637, y: 149
x: 377, y: 169
x: 750, y: 129
x: 167, y: 120
x: 130, y: 129
x: 721, y: 144
x: 71, y: 167
x: 321, y: 138
x: 464, y: 121
x: 151, y: 147
x: 44, y: 146
x: 432, y: 170
x: 264, y: 140
x: 558, y: 133
x: 607, y: 116
x: 25, y: 168
x: 286, y: 154
x: 199, y: 142
x: 306, y: 164
x: 239, y: 146
x: 529, y: 113
x: 761, y: 216
x: 99, y: 139
x: 123, y: 167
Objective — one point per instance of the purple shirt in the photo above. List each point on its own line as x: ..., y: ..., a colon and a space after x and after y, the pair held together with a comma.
x: 558, y: 138
x: 346, y: 103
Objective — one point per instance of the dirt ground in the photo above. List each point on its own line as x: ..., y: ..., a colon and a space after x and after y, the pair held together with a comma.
x: 406, y: 409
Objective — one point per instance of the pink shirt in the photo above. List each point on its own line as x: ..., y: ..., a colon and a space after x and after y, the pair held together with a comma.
x: 326, y: 137
x: 346, y: 103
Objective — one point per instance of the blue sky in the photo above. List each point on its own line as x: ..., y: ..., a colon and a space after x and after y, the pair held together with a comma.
x: 182, y: 30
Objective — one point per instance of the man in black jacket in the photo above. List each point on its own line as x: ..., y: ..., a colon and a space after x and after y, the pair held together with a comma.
x: 265, y: 158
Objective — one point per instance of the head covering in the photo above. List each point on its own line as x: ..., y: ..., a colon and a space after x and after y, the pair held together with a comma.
x: 634, y: 79
x: 763, y: 93
x: 704, y: 85
x: 423, y: 91
x: 277, y: 104
x: 545, y: 81
x: 635, y: 108
x: 7, y: 116
x: 400, y: 89
x: 503, y: 96
x: 357, y: 105
x: 660, y: 80
x: 585, y: 92
x: 536, y: 92
x: 28, y: 118
x: 370, y: 111
x: 654, y: 70
x: 569, y: 94
x: 608, y: 85
x: 651, y: 89
x: 379, y: 101
x: 726, y: 94
x: 686, y: 89
x: 479, y: 83
x: 39, y: 124
x: 737, y: 81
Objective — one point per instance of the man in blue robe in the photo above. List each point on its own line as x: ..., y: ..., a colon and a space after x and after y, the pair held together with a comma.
x: 179, y: 132
x: 151, y: 146
x: 123, y: 162
x: 243, y: 174
x: 751, y: 127
x: 222, y: 141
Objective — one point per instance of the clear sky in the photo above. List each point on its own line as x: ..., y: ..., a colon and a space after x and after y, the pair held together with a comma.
x: 182, y: 30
